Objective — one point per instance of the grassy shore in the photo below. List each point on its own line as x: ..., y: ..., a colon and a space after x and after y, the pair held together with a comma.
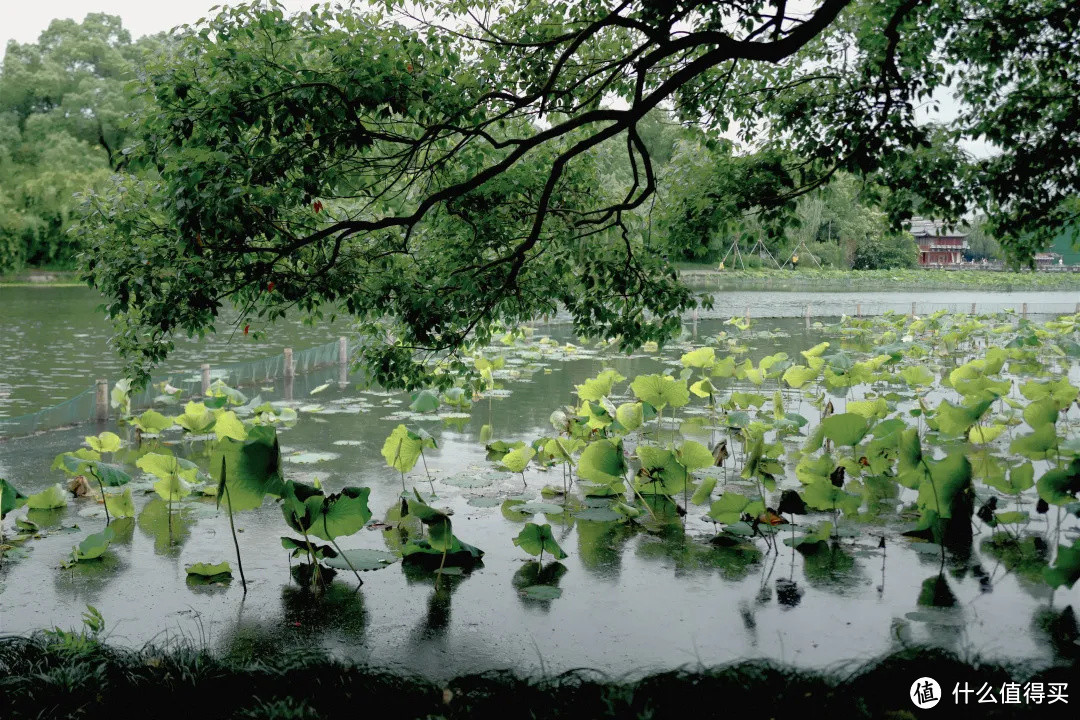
x: 41, y: 677
x: 34, y: 277
x: 815, y: 279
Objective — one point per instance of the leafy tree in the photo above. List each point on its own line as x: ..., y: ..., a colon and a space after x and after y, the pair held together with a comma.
x: 435, y: 176
x: 981, y: 244
x: 886, y: 252
x: 63, y: 105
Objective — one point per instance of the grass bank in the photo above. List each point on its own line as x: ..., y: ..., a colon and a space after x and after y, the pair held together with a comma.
x: 828, y: 279
x: 43, y: 678
x: 41, y: 277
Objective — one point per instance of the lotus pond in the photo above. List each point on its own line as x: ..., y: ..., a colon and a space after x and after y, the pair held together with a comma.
x: 808, y: 495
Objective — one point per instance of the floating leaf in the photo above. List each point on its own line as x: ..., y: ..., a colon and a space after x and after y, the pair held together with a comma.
x: 207, y: 570
x: 48, y: 499
x: 94, y: 546
x: 542, y: 592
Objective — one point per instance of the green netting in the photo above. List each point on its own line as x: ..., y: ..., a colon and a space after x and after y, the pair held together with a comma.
x: 83, y: 407
x: 78, y: 409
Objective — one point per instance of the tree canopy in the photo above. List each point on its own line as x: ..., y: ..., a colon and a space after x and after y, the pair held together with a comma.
x: 63, y: 108
x: 437, y: 169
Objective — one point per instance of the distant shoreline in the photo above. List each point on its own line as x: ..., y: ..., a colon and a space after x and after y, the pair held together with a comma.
x: 910, y: 279
x: 32, y: 277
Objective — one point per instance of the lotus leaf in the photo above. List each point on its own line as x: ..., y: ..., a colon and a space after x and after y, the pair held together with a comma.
x: 104, y: 443
x: 94, y: 546
x: 207, y: 570
x: 48, y: 499
x: 660, y: 390
x: 536, y: 539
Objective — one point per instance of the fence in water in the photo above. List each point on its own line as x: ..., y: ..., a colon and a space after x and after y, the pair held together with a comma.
x: 95, y: 403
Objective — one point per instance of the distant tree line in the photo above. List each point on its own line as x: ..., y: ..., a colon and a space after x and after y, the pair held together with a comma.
x: 63, y: 110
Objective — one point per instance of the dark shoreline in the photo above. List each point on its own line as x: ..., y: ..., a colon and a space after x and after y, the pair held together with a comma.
x: 40, y: 677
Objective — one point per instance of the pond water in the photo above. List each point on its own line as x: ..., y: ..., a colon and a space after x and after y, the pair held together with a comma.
x: 631, y: 600
x: 54, y: 342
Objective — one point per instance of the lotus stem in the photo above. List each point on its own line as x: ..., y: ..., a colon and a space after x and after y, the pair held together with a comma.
x: 342, y: 554
x: 101, y: 486
x: 426, y: 471
x: 316, y: 574
x: 232, y: 527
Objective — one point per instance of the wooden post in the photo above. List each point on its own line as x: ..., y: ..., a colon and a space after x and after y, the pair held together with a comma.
x: 101, y: 405
x: 289, y: 372
x: 695, y: 322
x: 747, y: 313
x: 972, y: 308
x: 807, y: 316
x: 858, y: 310
x: 343, y: 362
x: 205, y: 378
x: 1078, y: 308
x: 1023, y: 310
x: 912, y: 309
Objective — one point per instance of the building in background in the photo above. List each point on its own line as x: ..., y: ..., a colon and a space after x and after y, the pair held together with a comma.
x: 939, y: 246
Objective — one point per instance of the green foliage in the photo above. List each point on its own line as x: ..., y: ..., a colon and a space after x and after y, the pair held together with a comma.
x: 253, y: 468
x: 10, y: 498
x: 886, y: 252
x: 308, y: 510
x: 207, y: 570
x: 660, y: 390
x: 536, y: 539
x: 120, y: 506
x: 1066, y: 569
x: 93, y: 547
x: 63, y: 104
x: 402, y: 449
x: 48, y: 499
